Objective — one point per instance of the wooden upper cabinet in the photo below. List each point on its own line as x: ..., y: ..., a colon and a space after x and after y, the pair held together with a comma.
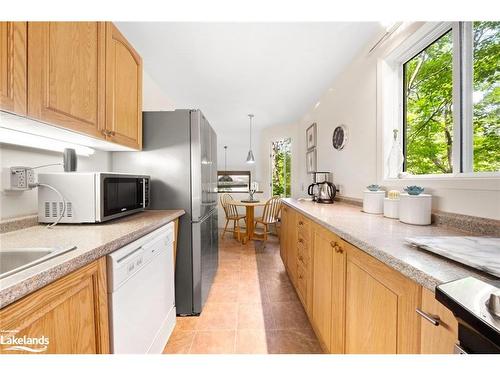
x: 123, y: 90
x: 440, y: 338
x: 66, y: 74
x: 13, y: 50
x: 380, y: 308
x: 72, y: 313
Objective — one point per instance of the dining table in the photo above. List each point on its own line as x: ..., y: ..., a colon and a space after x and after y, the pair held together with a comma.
x: 250, y: 214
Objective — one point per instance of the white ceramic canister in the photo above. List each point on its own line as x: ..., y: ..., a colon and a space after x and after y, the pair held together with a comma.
x: 391, y: 208
x: 415, y: 209
x: 373, y: 201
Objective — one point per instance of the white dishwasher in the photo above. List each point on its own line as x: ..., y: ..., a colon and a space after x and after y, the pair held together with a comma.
x: 141, y: 293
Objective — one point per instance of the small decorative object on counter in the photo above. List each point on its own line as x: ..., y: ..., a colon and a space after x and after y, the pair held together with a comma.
x: 391, y: 208
x: 373, y: 187
x: 415, y: 209
x: 373, y: 201
x: 393, y: 194
x: 396, y: 157
x: 414, y: 190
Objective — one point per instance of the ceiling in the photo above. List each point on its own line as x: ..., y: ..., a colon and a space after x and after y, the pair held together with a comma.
x: 275, y: 70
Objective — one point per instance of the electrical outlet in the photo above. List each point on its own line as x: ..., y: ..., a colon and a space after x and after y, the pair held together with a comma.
x: 30, y: 176
x: 20, y: 178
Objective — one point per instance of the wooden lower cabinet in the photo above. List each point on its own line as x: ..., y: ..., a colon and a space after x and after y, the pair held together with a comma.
x: 322, y: 288
x: 71, y: 312
x: 440, y: 338
x: 380, y: 307
x: 328, y: 277
x: 284, y: 233
x: 291, y: 247
x: 357, y: 304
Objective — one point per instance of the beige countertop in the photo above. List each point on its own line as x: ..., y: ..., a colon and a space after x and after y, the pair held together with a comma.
x: 92, y: 242
x: 384, y: 239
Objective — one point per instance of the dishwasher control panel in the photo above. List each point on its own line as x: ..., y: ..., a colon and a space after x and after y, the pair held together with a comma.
x: 125, y: 262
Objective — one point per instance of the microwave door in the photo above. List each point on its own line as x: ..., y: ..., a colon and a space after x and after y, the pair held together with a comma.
x: 121, y: 195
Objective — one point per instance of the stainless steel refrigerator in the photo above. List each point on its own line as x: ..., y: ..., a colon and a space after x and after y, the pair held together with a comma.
x: 180, y: 155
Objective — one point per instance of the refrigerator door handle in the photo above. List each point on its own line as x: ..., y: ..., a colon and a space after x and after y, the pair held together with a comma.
x: 206, y: 216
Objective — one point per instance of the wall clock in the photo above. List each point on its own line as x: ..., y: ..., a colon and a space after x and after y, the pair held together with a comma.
x: 339, y: 137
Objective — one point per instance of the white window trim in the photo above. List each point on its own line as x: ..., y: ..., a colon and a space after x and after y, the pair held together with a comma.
x: 390, y: 111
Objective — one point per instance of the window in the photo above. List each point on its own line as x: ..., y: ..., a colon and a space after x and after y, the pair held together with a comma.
x: 233, y: 181
x: 428, y: 103
x: 486, y: 96
x: 281, y: 167
x: 451, y: 96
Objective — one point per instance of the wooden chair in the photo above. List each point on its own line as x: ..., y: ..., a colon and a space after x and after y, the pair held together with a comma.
x: 232, y: 214
x: 270, y: 216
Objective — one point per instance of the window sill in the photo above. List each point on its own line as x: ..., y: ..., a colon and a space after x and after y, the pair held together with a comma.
x: 479, y: 181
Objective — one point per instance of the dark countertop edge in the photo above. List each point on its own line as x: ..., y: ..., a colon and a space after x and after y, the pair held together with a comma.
x: 418, y: 276
x: 24, y: 287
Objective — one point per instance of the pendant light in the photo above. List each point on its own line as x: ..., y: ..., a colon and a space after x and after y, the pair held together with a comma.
x: 225, y: 177
x: 250, y: 157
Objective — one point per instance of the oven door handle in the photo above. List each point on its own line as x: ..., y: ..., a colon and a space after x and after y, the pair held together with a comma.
x: 435, y: 320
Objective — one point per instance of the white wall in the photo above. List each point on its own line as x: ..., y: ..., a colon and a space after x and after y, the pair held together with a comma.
x: 153, y: 98
x: 14, y: 204
x: 352, y: 100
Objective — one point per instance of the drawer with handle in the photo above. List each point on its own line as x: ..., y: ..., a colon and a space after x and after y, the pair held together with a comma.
x: 301, y: 281
x: 439, y: 328
x: 303, y: 254
x: 303, y: 226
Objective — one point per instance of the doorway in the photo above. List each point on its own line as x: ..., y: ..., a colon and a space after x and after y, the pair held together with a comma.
x: 281, y: 167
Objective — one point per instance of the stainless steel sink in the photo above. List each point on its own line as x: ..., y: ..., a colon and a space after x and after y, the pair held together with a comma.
x: 18, y: 259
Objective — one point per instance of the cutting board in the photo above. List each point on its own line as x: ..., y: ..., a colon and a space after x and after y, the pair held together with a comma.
x: 482, y: 253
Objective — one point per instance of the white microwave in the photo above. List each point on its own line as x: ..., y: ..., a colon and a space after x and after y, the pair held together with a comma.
x: 91, y: 197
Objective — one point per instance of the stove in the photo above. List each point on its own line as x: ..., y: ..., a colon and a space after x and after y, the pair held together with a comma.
x: 476, y: 305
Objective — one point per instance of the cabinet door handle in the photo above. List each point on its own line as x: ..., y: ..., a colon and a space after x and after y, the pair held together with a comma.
x: 333, y: 244
x: 433, y: 319
x: 301, y: 222
x: 301, y: 240
x: 300, y: 258
x: 338, y: 249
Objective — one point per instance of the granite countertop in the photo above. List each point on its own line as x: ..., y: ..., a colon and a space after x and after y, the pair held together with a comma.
x: 92, y: 242
x: 384, y: 239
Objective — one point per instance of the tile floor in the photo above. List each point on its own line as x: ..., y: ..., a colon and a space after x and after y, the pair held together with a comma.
x: 252, y: 307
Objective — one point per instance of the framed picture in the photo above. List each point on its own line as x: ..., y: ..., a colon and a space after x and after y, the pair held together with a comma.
x: 311, y: 137
x: 311, y: 161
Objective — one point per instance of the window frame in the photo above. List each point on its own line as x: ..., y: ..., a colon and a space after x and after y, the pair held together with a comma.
x: 403, y: 128
x: 391, y: 101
